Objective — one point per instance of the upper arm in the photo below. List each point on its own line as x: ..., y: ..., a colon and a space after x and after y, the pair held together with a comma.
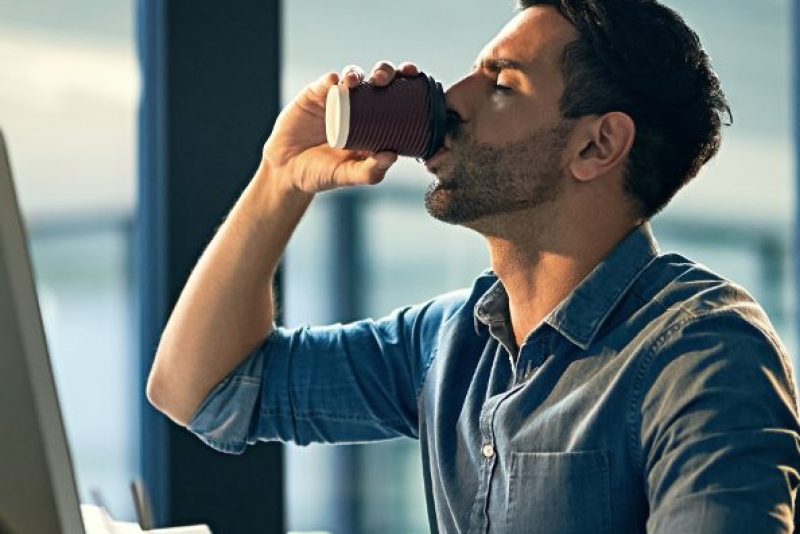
x: 337, y: 383
x: 719, y: 430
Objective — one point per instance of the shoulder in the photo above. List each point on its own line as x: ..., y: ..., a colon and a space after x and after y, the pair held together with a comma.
x: 702, y: 319
x: 724, y: 353
x: 682, y: 292
x: 676, y: 282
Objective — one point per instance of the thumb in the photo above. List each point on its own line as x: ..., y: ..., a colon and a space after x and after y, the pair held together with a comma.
x: 384, y: 160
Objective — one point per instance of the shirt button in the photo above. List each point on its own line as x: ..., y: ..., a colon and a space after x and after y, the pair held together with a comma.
x: 488, y: 450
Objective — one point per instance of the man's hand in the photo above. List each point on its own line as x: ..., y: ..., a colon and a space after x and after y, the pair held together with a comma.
x: 298, y: 150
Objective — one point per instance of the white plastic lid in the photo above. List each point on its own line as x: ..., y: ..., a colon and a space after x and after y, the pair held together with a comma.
x: 337, y: 115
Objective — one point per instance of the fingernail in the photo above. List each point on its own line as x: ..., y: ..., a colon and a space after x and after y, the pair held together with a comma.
x: 385, y: 163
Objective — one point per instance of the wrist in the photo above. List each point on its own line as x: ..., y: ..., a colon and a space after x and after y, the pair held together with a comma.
x: 272, y: 186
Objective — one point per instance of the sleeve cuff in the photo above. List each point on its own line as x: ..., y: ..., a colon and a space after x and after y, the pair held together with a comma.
x: 224, y: 419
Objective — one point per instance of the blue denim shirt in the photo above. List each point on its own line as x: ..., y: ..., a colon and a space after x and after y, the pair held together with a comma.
x: 656, y: 397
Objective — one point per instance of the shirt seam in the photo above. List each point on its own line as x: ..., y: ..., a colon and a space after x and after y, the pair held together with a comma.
x: 433, y: 354
x: 664, y: 307
x: 678, y: 307
x: 245, y: 379
x: 328, y: 416
x: 225, y: 446
x: 425, y: 369
x: 292, y: 414
x: 637, y: 397
x: 776, y: 346
x: 634, y: 412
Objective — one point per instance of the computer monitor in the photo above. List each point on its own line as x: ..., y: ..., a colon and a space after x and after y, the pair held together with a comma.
x: 38, y: 494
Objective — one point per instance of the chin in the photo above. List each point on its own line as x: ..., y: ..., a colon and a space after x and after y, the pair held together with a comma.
x: 442, y: 206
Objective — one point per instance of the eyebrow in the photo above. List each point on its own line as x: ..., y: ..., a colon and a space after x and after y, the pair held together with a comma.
x: 496, y: 64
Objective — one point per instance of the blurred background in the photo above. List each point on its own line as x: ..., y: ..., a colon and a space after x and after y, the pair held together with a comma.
x: 70, y: 85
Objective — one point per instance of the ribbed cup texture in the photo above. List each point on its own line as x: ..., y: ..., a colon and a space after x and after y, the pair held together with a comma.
x: 396, y: 117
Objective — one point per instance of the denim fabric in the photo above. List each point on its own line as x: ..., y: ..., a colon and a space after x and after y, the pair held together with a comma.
x: 655, y: 398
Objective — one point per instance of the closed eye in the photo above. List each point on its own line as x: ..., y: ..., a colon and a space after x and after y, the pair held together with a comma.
x: 501, y: 88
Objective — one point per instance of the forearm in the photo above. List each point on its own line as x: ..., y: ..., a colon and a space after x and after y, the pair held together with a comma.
x: 226, y: 307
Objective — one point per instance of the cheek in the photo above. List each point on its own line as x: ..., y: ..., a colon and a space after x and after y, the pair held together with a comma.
x: 503, y: 122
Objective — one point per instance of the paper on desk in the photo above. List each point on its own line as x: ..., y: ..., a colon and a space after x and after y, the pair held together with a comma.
x: 97, y: 521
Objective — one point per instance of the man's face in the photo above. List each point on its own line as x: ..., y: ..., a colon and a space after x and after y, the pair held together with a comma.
x: 506, y: 150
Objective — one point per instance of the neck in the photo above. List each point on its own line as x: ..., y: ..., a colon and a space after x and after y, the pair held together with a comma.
x: 540, y: 264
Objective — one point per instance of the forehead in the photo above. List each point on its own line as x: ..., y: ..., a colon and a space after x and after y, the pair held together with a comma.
x: 536, y: 36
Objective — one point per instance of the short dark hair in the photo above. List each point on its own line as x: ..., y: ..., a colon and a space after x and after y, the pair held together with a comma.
x: 639, y: 57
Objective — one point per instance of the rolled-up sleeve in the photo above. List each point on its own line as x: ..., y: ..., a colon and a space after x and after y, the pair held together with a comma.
x: 719, y: 430
x: 346, y: 383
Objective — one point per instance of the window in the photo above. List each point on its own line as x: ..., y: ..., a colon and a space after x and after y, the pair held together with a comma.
x: 736, y: 217
x: 68, y: 103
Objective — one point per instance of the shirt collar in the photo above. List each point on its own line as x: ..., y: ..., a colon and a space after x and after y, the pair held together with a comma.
x: 581, y: 314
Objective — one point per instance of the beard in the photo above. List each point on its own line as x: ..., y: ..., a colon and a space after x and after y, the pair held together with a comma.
x: 479, y: 180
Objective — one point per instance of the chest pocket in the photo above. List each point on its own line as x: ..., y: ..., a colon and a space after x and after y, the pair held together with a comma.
x: 559, y: 493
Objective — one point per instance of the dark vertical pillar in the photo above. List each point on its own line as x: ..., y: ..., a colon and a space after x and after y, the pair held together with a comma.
x: 795, y: 30
x: 211, y: 82
x: 347, y: 269
x: 347, y: 235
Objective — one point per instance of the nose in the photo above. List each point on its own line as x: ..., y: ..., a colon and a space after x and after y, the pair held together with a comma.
x: 456, y: 100
x: 459, y: 103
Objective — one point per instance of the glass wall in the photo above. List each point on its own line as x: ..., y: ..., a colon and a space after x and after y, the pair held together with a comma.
x: 736, y: 217
x: 69, y: 88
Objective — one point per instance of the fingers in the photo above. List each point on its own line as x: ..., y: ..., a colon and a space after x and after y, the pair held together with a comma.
x: 381, y: 75
x: 369, y: 168
x: 408, y: 69
x: 352, y: 75
x: 384, y: 72
x: 369, y: 171
x: 383, y: 160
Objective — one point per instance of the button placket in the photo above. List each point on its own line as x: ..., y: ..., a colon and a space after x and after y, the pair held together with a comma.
x: 477, y: 515
x: 487, y: 432
x: 531, y: 356
x: 529, y: 370
x: 479, y: 518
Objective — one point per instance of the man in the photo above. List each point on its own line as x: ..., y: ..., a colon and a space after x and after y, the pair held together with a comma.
x: 586, y: 383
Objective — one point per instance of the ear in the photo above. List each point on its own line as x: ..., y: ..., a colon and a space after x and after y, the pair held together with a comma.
x: 603, y: 145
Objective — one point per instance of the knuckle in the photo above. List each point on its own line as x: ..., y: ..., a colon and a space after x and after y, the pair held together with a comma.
x: 351, y: 68
x: 320, y: 84
x: 335, y: 175
x: 384, y: 65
